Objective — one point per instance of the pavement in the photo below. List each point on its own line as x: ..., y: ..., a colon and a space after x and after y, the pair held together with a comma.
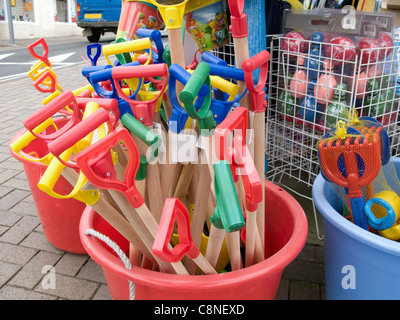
x: 25, y: 251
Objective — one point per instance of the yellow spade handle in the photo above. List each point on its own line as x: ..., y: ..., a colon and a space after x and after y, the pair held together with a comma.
x: 127, y: 46
x: 225, y: 86
x: 52, y: 174
x: 76, y: 92
x: 55, y: 168
x: 90, y: 108
x: 172, y: 15
x: 33, y: 72
x: 27, y: 137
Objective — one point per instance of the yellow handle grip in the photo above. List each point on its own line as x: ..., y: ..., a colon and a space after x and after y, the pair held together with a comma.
x: 127, y: 46
x: 76, y: 92
x: 34, y: 71
x: 55, y: 168
x: 27, y: 137
x: 52, y: 174
x: 225, y: 86
x: 86, y: 141
x: 171, y: 14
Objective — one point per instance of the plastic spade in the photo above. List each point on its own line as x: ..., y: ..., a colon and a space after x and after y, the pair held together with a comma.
x: 239, y: 33
x: 156, y: 36
x: 219, y: 74
x: 142, y: 110
x: 55, y: 167
x: 67, y: 98
x: 175, y: 211
x: 123, y: 47
x: 196, y: 98
x: 104, y: 204
x: 238, y: 155
x: 95, y: 163
x: 45, y: 48
x: 95, y: 57
x: 44, y: 80
x: 25, y: 139
x: 227, y: 217
x: 258, y: 106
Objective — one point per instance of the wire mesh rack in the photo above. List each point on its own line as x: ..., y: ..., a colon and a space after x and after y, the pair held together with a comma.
x: 308, y: 93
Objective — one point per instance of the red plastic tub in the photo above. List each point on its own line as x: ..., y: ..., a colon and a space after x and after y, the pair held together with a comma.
x: 59, y: 217
x: 288, y: 228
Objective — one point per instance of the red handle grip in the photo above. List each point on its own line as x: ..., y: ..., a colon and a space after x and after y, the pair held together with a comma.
x: 237, y: 120
x: 257, y: 94
x: 78, y: 132
x: 43, y: 77
x: 67, y: 98
x: 236, y: 7
x: 143, y: 110
x: 238, y: 19
x: 142, y: 71
x: 173, y: 211
x: 44, y: 56
x: 90, y: 162
x: 110, y: 105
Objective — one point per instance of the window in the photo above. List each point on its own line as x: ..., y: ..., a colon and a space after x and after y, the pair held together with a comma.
x: 22, y: 11
x: 64, y: 10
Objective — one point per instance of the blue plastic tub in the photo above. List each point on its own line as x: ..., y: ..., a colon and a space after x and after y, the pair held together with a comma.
x: 359, y: 265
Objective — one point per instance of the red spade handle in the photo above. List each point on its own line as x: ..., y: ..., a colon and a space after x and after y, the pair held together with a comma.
x: 173, y: 211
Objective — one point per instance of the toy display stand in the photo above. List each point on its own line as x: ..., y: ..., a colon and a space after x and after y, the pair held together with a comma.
x: 293, y: 129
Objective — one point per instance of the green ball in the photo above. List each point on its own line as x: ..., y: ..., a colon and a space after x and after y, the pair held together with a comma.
x: 287, y: 103
x: 336, y: 110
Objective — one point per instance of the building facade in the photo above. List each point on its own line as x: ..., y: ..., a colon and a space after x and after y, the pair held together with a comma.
x: 39, y: 18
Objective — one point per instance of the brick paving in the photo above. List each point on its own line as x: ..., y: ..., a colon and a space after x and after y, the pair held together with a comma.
x: 25, y: 253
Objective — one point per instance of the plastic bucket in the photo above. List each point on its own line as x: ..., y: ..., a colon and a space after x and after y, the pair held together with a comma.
x: 135, y: 15
x: 59, y: 217
x: 288, y: 228
x: 207, y: 24
x: 359, y: 265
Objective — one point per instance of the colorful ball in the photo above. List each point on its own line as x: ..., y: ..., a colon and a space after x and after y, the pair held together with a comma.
x: 369, y: 50
x: 341, y: 49
x: 294, y: 42
x: 385, y: 45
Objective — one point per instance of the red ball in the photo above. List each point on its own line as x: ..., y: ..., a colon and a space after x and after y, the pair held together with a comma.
x: 386, y: 45
x: 368, y: 50
x: 294, y: 42
x: 341, y: 49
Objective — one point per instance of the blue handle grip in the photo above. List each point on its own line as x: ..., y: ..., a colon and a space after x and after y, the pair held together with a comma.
x: 357, y: 209
x: 178, y: 119
x: 86, y: 71
x: 210, y: 58
x: 156, y: 36
x: 99, y: 76
x: 226, y: 72
x: 382, y: 223
x: 93, y: 59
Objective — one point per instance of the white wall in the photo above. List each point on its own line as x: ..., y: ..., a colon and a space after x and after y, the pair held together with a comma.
x: 44, y: 25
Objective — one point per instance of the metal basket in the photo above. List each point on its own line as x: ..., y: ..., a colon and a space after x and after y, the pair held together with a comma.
x: 295, y: 125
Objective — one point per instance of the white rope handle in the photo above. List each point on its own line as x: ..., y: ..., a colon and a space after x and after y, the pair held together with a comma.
x: 120, y: 254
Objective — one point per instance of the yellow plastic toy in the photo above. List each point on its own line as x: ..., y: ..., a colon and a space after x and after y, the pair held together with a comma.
x: 27, y: 137
x: 385, y: 207
x: 55, y: 167
x: 135, y: 46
